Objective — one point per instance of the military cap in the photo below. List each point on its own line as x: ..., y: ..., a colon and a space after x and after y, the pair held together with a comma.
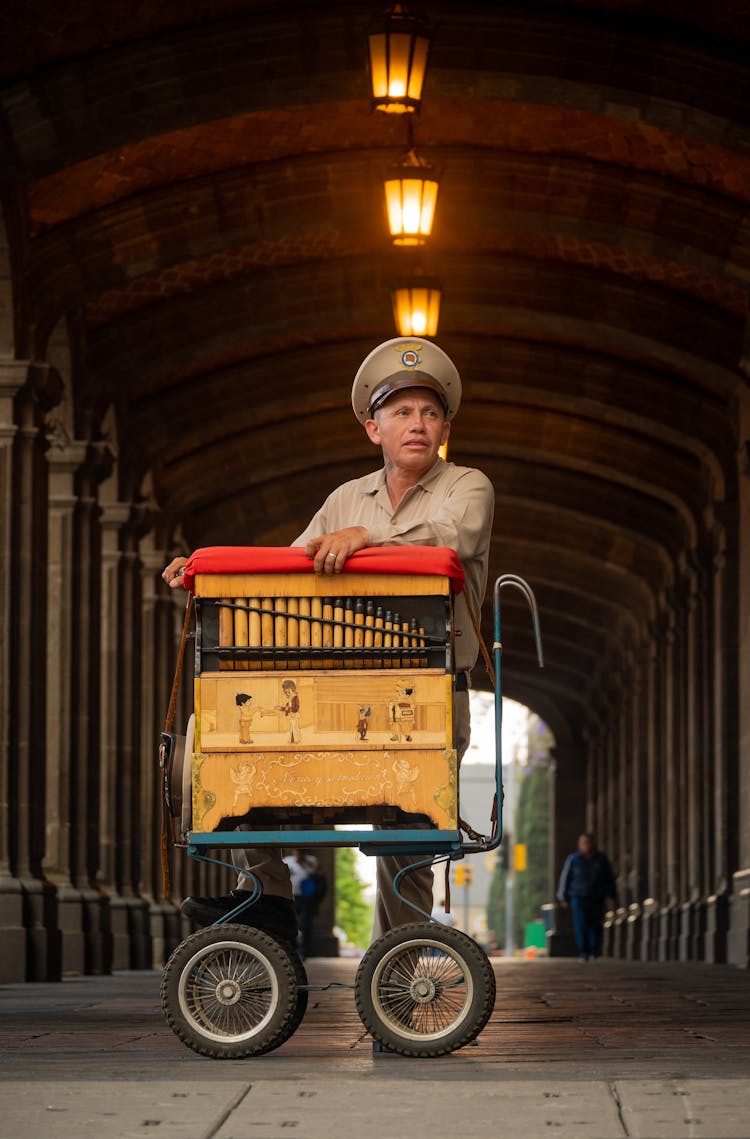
x: 405, y: 362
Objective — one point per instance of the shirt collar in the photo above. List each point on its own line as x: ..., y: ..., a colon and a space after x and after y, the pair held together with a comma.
x: 371, y: 484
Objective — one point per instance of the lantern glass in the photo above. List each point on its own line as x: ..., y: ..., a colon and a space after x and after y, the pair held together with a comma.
x: 410, y: 204
x: 416, y: 309
x: 398, y: 60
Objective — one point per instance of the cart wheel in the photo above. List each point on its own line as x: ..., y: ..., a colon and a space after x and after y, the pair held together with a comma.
x: 425, y: 990
x: 230, y: 991
x: 302, y: 993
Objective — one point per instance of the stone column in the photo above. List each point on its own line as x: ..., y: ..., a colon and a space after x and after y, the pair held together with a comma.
x: 63, y: 458
x: 114, y: 514
x: 652, y: 739
x: 86, y: 673
x: 12, y: 935
x: 637, y: 836
x: 157, y: 667
x: 567, y: 815
x: 717, y: 915
x: 128, y: 823
x: 622, y: 854
x: 739, y: 934
x: 28, y: 644
x: 693, y: 911
x: 668, y: 820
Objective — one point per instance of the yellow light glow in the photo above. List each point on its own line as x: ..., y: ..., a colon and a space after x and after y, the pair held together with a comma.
x: 398, y: 61
x: 416, y: 309
x: 410, y: 204
x: 443, y: 451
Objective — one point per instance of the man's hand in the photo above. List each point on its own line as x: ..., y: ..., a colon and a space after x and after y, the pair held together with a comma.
x: 565, y: 905
x: 330, y: 551
x: 173, y: 573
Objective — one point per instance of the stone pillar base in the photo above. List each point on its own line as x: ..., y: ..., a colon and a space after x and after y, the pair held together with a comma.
x: 738, y: 950
x: 119, y: 932
x: 633, y: 932
x: 561, y: 940
x: 12, y: 933
x: 691, y: 941
x: 650, y: 927
x: 619, y: 934
x: 717, y: 928
x: 608, y: 935
x: 98, y: 933
x: 72, y: 924
x: 43, y: 940
x: 164, y: 932
x: 140, y: 934
x: 669, y: 919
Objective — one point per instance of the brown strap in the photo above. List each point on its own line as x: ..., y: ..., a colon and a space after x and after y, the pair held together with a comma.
x: 494, y: 818
x: 172, y: 709
x: 482, y: 645
x: 166, y: 885
x: 475, y: 836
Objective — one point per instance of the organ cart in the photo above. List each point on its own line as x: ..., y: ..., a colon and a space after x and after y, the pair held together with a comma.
x: 321, y: 701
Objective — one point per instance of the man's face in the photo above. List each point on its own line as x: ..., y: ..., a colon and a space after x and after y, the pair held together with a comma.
x: 410, y: 427
x: 585, y: 845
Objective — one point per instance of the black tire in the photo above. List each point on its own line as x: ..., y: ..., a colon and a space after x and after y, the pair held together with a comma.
x: 231, y: 991
x: 425, y: 990
x: 302, y: 993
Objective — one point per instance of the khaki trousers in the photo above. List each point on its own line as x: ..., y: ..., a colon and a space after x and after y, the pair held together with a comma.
x: 390, y: 911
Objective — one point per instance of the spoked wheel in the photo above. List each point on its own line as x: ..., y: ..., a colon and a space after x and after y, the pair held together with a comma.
x: 425, y: 990
x: 231, y: 991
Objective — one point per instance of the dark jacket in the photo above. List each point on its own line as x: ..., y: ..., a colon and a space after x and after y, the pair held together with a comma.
x: 590, y: 878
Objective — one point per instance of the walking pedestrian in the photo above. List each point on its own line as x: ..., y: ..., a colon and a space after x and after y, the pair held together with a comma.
x: 587, y: 885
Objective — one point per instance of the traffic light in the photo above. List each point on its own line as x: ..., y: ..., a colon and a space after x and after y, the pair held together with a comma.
x: 463, y: 875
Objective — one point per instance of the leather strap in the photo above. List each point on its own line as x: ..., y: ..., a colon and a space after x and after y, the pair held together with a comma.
x: 166, y: 885
x: 482, y: 645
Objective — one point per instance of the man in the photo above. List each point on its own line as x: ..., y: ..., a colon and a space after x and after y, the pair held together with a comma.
x: 304, y: 876
x: 587, y: 884
x: 405, y: 394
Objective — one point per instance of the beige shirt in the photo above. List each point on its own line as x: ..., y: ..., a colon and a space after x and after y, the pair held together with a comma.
x: 450, y: 506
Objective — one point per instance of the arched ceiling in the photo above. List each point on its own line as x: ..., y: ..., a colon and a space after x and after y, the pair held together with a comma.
x: 197, y: 188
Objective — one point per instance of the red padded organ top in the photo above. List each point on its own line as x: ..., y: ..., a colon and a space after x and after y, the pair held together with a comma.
x: 437, y: 560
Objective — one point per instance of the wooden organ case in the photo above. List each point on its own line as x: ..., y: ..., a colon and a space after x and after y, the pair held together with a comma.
x: 323, y: 700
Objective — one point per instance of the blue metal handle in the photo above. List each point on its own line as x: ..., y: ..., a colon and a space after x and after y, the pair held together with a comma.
x: 507, y: 579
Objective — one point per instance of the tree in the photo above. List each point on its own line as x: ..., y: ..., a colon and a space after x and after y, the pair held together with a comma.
x: 353, y: 913
x: 496, y: 904
x: 532, y: 827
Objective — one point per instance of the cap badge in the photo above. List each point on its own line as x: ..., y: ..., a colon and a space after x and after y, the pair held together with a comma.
x: 410, y: 355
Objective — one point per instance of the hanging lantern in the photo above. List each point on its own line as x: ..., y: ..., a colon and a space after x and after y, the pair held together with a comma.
x: 410, y: 196
x: 398, y: 58
x: 416, y: 308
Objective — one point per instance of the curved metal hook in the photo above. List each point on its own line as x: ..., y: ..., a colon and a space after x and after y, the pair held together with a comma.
x: 513, y: 579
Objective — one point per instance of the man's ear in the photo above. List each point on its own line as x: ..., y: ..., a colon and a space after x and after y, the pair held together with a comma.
x: 446, y: 432
x: 373, y: 431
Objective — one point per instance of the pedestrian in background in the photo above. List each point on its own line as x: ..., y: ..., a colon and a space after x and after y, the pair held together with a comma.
x: 307, y: 893
x: 587, y: 886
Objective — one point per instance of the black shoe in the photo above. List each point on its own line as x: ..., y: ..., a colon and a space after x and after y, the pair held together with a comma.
x: 270, y: 913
